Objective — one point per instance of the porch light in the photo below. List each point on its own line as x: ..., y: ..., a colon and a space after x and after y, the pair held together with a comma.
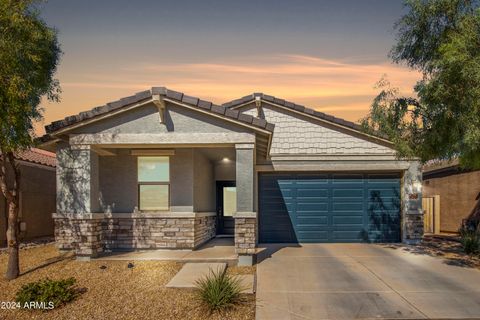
x: 225, y: 159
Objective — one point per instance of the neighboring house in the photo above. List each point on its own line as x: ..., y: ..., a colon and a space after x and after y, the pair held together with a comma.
x: 158, y: 170
x: 451, y: 195
x: 37, y: 195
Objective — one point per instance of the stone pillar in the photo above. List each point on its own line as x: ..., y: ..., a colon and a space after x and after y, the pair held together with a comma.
x: 78, y: 200
x: 245, y: 217
x: 412, y: 213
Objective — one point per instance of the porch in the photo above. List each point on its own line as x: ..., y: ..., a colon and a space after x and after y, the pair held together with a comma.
x: 117, y: 199
x: 218, y: 249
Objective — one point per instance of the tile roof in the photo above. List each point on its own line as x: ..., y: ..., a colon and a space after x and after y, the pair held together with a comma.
x: 145, y: 96
x: 438, y: 164
x: 293, y: 106
x: 37, y: 156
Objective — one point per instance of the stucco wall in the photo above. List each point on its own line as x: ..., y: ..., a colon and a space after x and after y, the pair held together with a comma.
x: 118, y: 181
x: 457, y: 192
x: 295, y: 134
x: 203, y: 183
x: 181, y: 181
x: 77, y: 179
x: 225, y: 171
x: 146, y: 119
x: 37, y: 202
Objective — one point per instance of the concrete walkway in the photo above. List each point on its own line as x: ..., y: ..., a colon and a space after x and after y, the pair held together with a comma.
x: 191, y: 272
x: 215, y: 250
x: 361, y: 281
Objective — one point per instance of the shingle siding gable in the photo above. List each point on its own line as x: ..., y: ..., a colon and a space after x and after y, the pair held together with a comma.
x: 293, y: 135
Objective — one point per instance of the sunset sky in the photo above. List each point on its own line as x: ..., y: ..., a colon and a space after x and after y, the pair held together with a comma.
x: 327, y: 55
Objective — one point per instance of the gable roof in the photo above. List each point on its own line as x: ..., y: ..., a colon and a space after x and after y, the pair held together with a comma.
x: 237, y: 103
x: 147, y: 96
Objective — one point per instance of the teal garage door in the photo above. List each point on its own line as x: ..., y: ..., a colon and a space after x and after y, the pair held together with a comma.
x: 332, y: 207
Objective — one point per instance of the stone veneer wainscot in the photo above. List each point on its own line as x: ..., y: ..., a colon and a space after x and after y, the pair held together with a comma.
x: 92, y: 234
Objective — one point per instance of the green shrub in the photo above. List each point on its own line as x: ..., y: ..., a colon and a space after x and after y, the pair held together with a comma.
x: 47, y: 291
x: 218, y: 290
x: 470, y: 239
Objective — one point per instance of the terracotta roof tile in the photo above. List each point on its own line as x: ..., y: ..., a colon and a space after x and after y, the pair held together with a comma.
x: 38, y: 156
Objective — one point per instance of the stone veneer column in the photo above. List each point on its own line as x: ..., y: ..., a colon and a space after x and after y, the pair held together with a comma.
x: 245, y: 217
x: 77, y: 198
x: 412, y: 213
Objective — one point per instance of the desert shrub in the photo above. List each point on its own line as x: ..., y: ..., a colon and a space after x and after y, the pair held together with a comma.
x: 218, y: 290
x: 47, y: 291
x: 470, y: 239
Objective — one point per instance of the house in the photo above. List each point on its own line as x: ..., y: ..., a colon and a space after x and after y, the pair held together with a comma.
x: 37, y: 195
x: 161, y: 169
x: 451, y: 196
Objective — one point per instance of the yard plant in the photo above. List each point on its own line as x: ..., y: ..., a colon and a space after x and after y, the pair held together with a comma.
x: 470, y: 239
x: 47, y: 291
x: 29, y: 54
x: 219, y: 290
x: 440, y: 39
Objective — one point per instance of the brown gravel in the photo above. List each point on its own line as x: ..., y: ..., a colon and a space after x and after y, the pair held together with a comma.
x: 114, y: 293
x: 448, y: 249
x: 241, y: 270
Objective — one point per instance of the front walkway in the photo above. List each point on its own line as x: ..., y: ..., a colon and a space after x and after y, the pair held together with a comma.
x: 359, y: 281
x: 215, y: 250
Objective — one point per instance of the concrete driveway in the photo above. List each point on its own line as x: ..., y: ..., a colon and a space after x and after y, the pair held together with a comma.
x: 362, y: 281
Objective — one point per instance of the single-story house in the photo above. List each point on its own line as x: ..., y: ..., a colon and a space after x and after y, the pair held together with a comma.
x: 451, y: 196
x: 37, y: 195
x: 161, y: 169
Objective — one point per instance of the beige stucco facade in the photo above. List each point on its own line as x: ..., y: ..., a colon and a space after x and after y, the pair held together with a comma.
x: 37, y: 202
x: 459, y: 195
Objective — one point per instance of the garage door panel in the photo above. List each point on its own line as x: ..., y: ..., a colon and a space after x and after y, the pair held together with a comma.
x: 348, y: 193
x: 354, y: 220
x: 306, y: 207
x: 311, y: 221
x: 315, y: 193
x: 347, y: 206
x: 313, y: 236
x: 312, y: 206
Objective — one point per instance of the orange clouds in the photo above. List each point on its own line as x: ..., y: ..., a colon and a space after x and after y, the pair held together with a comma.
x: 342, y: 88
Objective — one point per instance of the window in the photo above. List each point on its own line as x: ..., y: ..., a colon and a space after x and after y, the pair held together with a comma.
x: 154, y: 183
x: 229, y: 201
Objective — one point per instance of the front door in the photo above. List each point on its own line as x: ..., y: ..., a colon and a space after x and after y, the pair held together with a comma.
x: 226, y: 207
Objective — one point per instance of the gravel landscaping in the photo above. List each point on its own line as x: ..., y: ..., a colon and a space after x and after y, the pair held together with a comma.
x: 447, y: 248
x: 112, y: 290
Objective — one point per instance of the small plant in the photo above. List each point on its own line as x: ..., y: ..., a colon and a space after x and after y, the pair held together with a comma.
x: 218, y: 290
x: 470, y: 239
x: 47, y: 293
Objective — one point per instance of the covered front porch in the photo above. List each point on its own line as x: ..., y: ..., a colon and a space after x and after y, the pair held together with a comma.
x: 115, y: 197
x: 218, y: 249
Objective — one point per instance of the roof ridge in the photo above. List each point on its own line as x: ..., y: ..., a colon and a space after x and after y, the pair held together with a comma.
x: 293, y: 106
x: 162, y: 91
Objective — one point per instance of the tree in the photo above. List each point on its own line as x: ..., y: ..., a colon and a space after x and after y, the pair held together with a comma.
x: 441, y: 39
x: 29, y: 54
